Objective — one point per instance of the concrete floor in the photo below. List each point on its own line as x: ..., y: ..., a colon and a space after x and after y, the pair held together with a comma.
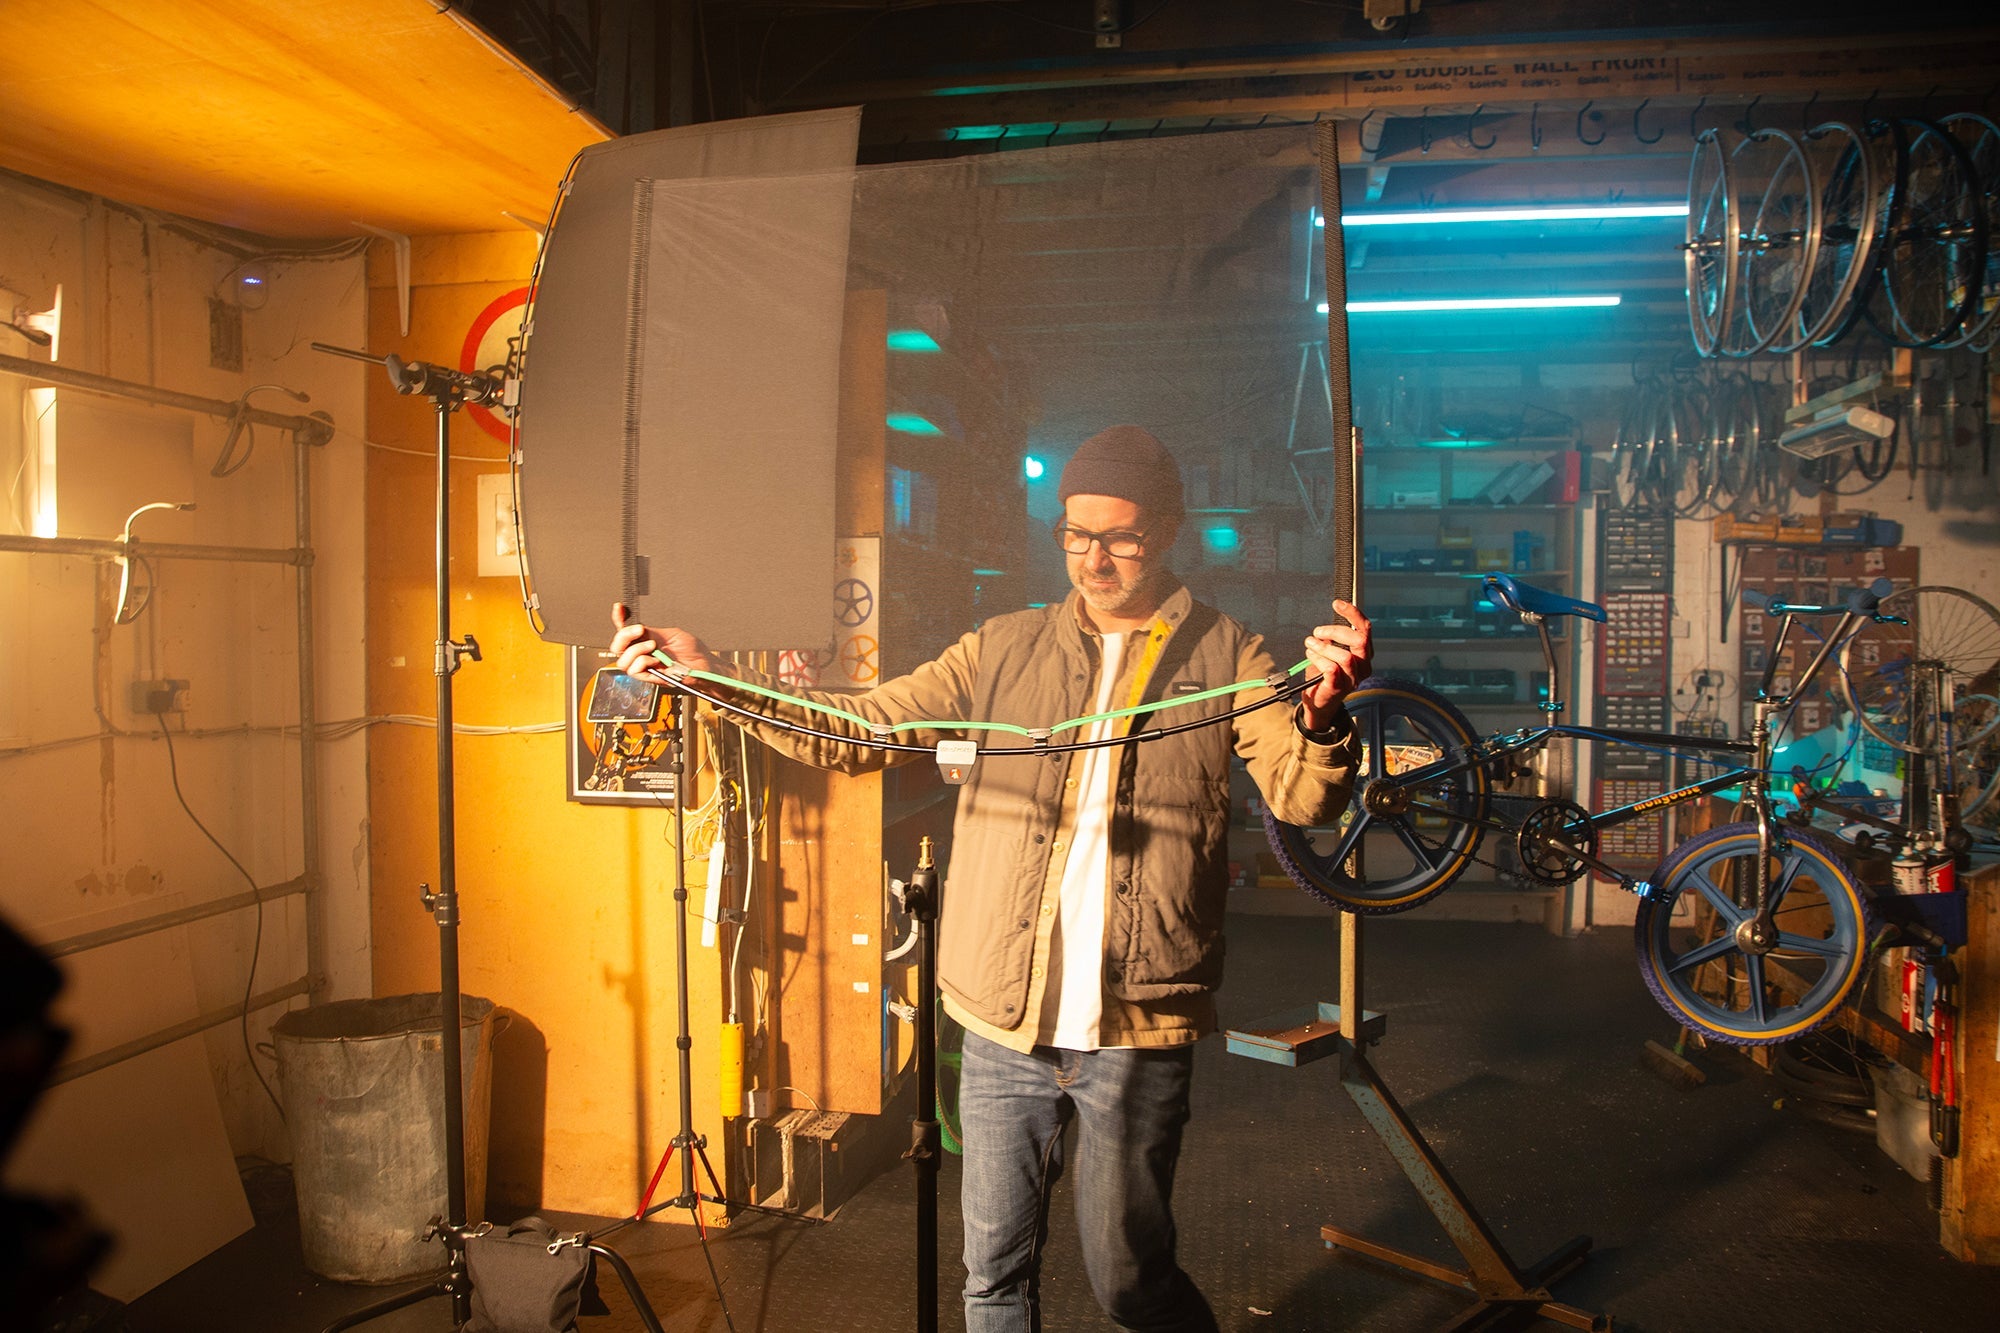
x: 1728, y: 1207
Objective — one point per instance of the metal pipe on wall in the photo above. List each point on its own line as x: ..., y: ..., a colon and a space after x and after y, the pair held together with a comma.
x: 307, y: 432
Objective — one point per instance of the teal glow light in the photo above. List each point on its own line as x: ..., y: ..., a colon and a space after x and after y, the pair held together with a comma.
x: 1033, y: 468
x: 1220, y: 539
x: 1456, y: 444
x: 989, y: 573
x: 912, y: 340
x: 1478, y: 303
x: 909, y: 423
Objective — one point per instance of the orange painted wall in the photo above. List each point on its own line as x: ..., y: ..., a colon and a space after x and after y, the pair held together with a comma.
x: 567, y: 912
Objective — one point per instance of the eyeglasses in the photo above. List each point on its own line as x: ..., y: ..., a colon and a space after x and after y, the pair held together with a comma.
x: 1120, y: 544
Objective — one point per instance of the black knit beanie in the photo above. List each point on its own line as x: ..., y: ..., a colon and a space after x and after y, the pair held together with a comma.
x: 1128, y: 463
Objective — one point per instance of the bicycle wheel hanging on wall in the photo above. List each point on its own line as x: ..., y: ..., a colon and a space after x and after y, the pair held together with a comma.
x: 1711, y: 242
x: 1933, y: 259
x: 1952, y: 637
x: 1780, y: 243
x: 1980, y: 139
x: 1400, y: 825
x: 1854, y: 199
x: 1694, y: 946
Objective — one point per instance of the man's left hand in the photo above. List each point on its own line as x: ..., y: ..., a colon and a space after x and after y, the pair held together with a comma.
x: 1340, y: 656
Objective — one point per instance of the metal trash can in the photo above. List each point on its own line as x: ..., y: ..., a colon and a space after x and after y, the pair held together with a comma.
x: 362, y: 1084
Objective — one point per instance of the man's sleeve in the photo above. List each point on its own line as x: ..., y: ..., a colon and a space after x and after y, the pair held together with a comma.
x: 1305, y: 777
x: 938, y: 691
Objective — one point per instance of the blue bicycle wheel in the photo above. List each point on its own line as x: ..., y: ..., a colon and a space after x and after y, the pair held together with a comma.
x: 1408, y: 847
x: 1696, y: 960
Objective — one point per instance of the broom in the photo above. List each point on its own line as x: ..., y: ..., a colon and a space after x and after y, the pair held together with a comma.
x: 1673, y: 1065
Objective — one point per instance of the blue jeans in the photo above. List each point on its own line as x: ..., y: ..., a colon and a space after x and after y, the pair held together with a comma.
x: 1130, y: 1107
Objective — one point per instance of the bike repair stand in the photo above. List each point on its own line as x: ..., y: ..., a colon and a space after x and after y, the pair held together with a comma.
x: 449, y: 390
x: 919, y: 900
x: 1507, y: 1295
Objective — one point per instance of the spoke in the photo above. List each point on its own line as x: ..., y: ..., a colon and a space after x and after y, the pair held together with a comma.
x: 1794, y: 862
x: 1824, y: 948
x: 1418, y: 847
x: 1724, y: 906
x: 1753, y: 978
x: 1378, y: 750
x: 1350, y: 839
x: 1707, y: 953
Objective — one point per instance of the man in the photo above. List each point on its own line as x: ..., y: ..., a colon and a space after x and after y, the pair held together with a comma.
x: 1080, y: 942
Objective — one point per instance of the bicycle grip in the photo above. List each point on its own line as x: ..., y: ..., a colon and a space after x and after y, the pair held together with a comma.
x: 1756, y: 599
x: 1864, y: 601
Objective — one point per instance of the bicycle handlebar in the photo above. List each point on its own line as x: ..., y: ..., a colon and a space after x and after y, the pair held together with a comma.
x: 1860, y: 601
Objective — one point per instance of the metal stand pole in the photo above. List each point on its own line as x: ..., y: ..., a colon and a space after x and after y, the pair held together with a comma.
x: 448, y: 390
x: 447, y: 395
x: 920, y: 900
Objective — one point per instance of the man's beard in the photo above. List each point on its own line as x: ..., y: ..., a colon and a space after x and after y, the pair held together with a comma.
x: 1113, y: 600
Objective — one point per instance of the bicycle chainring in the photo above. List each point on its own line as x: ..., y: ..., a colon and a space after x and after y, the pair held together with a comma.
x: 1548, y: 839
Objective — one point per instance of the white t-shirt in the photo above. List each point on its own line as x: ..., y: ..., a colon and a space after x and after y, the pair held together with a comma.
x: 1080, y: 907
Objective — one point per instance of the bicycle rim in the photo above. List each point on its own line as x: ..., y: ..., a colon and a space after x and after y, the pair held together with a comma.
x: 1693, y: 959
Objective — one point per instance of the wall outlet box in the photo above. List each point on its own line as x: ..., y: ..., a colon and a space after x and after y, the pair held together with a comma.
x: 757, y: 1103
x: 159, y: 696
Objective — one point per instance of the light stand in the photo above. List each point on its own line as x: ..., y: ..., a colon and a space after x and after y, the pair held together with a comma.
x: 919, y: 900
x: 686, y: 1142
x: 448, y: 390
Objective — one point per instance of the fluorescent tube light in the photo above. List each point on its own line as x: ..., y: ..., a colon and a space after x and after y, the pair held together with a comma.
x: 912, y: 340
x: 909, y: 423
x: 1476, y: 303
x: 1434, y: 217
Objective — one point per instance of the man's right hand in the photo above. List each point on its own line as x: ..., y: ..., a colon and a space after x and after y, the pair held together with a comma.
x: 635, y: 645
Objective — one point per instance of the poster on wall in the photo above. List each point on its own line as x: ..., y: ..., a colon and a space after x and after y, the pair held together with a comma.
x: 618, y: 735
x: 857, y: 615
x: 851, y: 656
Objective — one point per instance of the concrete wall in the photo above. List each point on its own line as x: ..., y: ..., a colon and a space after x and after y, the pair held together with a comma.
x: 97, y: 835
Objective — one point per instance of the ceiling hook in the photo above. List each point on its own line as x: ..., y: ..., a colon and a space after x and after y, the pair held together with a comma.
x: 1535, y: 127
x: 1361, y: 133
x: 1640, y: 134
x: 1868, y: 108
x: 1744, y: 125
x: 1472, y: 139
x: 1424, y: 131
x: 1930, y: 102
x: 1692, y: 115
x: 1052, y: 134
x: 1156, y: 127
x: 1588, y: 143
x: 1805, y: 113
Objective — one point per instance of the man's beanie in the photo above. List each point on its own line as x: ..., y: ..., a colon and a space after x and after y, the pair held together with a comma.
x: 1128, y: 463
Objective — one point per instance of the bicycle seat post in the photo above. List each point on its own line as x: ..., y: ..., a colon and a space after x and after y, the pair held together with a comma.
x: 1554, y: 705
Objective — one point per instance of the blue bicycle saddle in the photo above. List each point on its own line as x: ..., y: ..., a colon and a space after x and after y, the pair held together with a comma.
x: 1518, y: 596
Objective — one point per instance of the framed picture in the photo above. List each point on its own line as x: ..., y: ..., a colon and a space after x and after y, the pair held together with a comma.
x: 618, y: 735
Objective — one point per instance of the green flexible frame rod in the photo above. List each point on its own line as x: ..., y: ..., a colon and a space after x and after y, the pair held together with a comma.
x: 679, y: 677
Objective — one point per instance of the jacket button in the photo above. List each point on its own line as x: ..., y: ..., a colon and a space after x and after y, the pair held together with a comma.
x: 1040, y: 838
x: 1124, y: 886
x: 1056, y: 846
x: 1023, y: 923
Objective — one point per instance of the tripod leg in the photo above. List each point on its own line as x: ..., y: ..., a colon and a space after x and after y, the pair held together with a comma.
x: 382, y: 1307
